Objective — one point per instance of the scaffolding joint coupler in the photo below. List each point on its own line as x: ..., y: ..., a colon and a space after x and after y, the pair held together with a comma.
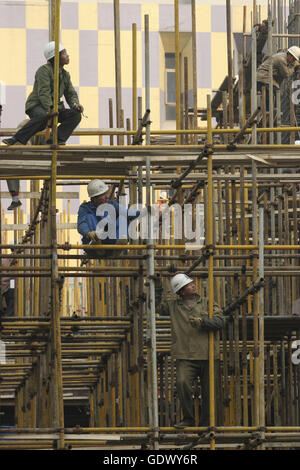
x: 208, y: 250
x: 66, y: 246
x: 208, y: 150
x: 175, y: 184
x: 254, y: 254
x: 211, y: 432
x: 150, y: 246
x: 231, y: 147
x: 255, y: 352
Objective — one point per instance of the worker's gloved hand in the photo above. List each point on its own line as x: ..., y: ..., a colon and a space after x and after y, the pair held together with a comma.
x: 93, y: 236
x: 196, y: 322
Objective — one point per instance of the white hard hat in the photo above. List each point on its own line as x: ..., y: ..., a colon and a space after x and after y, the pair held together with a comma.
x: 97, y: 187
x: 295, y: 52
x: 179, y: 281
x: 49, y: 50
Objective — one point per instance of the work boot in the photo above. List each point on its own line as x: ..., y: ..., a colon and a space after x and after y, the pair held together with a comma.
x: 11, y: 141
x: 14, y: 205
x: 185, y: 424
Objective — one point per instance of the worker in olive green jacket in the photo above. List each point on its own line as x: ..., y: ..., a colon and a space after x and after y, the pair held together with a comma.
x: 283, y: 66
x: 190, y: 326
x: 40, y: 101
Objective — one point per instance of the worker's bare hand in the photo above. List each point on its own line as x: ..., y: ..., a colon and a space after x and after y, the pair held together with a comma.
x: 93, y: 236
x: 51, y: 113
x: 80, y: 108
x: 196, y: 322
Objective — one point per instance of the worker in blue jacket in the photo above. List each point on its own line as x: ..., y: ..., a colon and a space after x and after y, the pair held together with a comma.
x: 102, y: 221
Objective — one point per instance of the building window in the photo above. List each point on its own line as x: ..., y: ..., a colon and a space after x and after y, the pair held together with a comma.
x: 170, y: 80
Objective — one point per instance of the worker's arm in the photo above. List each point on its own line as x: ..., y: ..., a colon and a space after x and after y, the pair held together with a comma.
x: 86, y: 222
x: 217, y: 322
x: 281, y: 69
x: 43, y: 80
x: 71, y: 94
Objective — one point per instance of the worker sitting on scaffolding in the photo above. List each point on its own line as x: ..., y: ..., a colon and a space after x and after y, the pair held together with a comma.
x: 283, y: 64
x: 190, y: 327
x: 39, y: 103
x: 103, y: 221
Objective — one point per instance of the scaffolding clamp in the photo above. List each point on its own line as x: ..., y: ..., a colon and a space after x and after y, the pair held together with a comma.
x: 66, y: 246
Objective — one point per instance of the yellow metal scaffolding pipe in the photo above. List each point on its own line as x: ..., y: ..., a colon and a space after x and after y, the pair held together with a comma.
x: 201, y: 131
x: 178, y: 247
x: 210, y: 269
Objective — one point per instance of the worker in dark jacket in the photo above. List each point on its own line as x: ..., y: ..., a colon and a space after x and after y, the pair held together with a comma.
x: 40, y: 101
x: 190, y: 326
x: 89, y: 219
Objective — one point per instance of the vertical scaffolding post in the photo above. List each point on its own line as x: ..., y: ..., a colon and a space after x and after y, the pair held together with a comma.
x: 134, y: 78
x: 270, y: 50
x: 255, y: 297
x: 254, y: 83
x: 58, y: 412
x: 261, y: 319
x: 209, y: 242
x: 153, y: 405
x: 229, y: 59
x: 177, y: 69
x: 194, y: 58
x: 118, y: 64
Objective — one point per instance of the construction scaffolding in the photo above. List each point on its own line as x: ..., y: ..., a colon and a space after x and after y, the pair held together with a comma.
x: 101, y: 344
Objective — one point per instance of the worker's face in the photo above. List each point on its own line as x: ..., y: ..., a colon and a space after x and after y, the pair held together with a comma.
x: 64, y: 58
x: 101, y: 199
x: 290, y: 58
x: 188, y: 290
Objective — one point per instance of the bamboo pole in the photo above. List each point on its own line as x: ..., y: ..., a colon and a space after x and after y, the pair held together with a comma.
x: 230, y: 65
x: 210, y: 273
x: 117, y: 37
x: 58, y: 416
x: 153, y: 403
x: 194, y: 59
x: 177, y: 68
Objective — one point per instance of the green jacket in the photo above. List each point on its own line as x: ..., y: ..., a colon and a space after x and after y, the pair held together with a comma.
x: 42, y: 93
x: 187, y: 341
x: 281, y: 69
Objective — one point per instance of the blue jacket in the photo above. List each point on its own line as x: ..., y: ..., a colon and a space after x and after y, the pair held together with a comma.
x: 87, y: 220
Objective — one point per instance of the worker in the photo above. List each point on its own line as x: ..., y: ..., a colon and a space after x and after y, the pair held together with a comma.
x: 283, y: 64
x: 39, y: 104
x: 89, y: 218
x: 7, y: 292
x: 14, y: 184
x: 190, y: 327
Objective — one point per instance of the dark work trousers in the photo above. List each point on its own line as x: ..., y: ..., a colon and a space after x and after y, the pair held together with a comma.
x: 69, y: 119
x: 187, y: 372
x: 259, y: 88
x: 10, y: 302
